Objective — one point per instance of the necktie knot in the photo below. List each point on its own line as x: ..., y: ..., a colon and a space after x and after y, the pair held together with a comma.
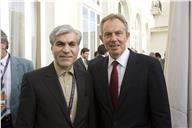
x: 115, y: 63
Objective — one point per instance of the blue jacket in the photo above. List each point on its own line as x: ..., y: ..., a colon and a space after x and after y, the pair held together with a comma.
x: 19, y: 66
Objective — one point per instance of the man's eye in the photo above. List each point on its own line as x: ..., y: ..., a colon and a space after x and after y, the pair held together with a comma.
x: 107, y: 34
x: 72, y: 44
x: 119, y: 33
x: 59, y: 43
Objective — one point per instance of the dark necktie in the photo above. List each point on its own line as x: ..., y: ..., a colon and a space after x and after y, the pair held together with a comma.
x: 114, y: 84
x: 3, y: 95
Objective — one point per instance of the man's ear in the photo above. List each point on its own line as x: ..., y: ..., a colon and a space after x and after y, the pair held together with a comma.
x: 128, y: 34
x: 51, y: 47
x: 101, y: 38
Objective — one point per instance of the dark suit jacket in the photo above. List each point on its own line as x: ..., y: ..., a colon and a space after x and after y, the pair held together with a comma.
x: 96, y: 59
x: 80, y: 64
x: 143, y: 100
x: 42, y: 103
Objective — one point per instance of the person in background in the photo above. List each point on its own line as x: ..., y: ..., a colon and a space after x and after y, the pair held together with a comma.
x: 82, y: 61
x: 152, y: 54
x: 59, y: 95
x: 12, y: 70
x: 102, y: 52
x: 129, y: 88
x: 158, y: 56
x: 96, y: 54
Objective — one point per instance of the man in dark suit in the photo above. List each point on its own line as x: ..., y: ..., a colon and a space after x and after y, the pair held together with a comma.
x: 82, y: 61
x: 59, y: 95
x: 12, y: 70
x: 131, y: 91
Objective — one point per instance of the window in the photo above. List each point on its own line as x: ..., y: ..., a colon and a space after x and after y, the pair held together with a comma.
x: 90, y: 29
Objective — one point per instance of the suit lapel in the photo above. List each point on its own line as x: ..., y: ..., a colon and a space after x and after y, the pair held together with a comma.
x: 108, y: 95
x: 80, y: 84
x: 53, y: 85
x: 127, y: 79
x: 104, y: 84
x: 81, y: 61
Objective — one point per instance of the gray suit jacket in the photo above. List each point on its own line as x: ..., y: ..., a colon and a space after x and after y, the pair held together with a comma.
x: 19, y: 66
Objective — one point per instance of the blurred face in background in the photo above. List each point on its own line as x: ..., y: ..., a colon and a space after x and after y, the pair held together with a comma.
x: 114, y: 37
x: 3, y: 48
x: 65, y: 49
x: 85, y: 55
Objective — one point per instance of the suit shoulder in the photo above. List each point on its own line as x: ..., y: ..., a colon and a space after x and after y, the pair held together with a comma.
x: 97, y: 61
x: 78, y: 59
x: 37, y: 72
x: 21, y: 60
x: 147, y: 60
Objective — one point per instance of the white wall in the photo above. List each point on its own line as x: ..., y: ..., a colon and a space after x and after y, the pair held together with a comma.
x: 57, y: 13
x: 67, y: 12
x: 159, y: 42
x: 159, y: 31
x: 47, y: 24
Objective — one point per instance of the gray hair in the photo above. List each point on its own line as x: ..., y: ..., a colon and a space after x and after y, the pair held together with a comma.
x: 64, y: 29
x: 4, y: 39
x: 112, y: 17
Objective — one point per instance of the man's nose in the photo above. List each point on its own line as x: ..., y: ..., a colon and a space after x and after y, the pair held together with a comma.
x: 66, y: 48
x: 113, y: 37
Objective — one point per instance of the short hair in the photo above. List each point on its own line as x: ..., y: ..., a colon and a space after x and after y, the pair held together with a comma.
x: 112, y: 17
x: 101, y: 49
x: 83, y: 50
x: 4, y: 39
x: 95, y: 53
x: 64, y: 29
x: 157, y: 54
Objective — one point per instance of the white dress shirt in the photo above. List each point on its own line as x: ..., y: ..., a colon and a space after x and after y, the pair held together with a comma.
x: 7, y: 80
x: 121, y: 67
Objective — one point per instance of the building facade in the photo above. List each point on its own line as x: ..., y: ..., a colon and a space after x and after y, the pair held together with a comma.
x: 29, y: 22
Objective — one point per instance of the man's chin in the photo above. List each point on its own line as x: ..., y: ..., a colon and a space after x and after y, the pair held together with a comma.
x: 114, y: 55
x: 66, y: 65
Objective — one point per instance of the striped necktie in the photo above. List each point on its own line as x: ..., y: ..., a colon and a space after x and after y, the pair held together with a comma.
x: 3, y: 94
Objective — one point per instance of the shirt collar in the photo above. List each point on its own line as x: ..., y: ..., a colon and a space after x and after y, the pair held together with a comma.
x: 60, y: 71
x: 83, y: 59
x: 4, y: 60
x: 122, y: 60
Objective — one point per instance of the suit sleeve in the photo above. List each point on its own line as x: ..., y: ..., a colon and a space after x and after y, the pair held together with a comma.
x: 27, y: 105
x: 31, y: 66
x: 159, y: 105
